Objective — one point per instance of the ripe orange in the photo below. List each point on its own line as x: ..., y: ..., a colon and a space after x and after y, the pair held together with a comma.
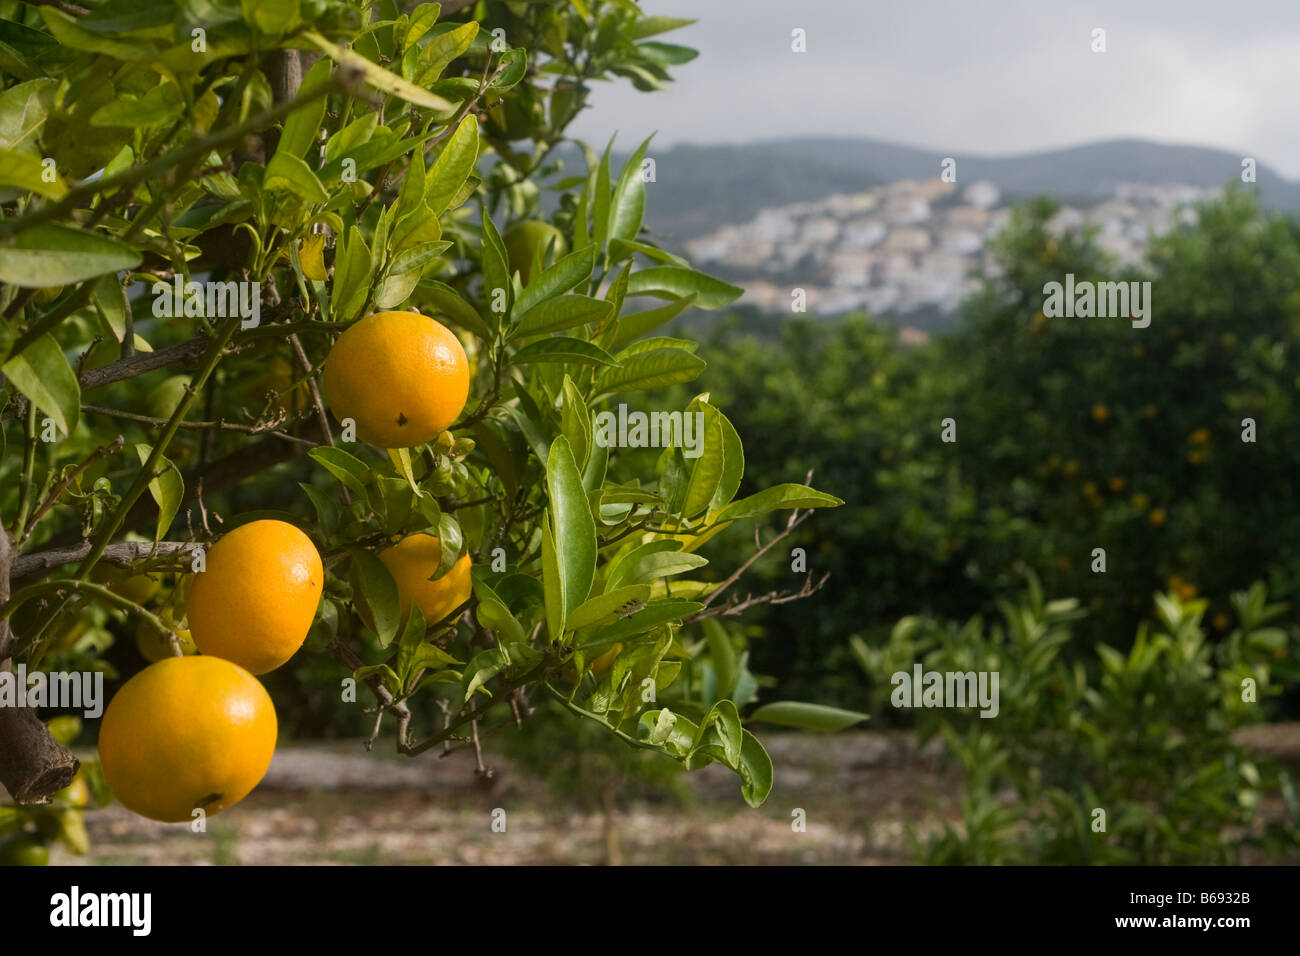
x: 411, y: 562
x: 401, y: 376
x: 256, y: 599
x: 187, y: 733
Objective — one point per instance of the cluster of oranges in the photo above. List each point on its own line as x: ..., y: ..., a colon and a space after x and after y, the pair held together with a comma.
x: 195, y: 730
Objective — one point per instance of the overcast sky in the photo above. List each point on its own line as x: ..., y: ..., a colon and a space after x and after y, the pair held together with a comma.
x: 977, y: 76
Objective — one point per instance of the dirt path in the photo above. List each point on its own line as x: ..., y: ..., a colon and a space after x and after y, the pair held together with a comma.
x: 335, y: 804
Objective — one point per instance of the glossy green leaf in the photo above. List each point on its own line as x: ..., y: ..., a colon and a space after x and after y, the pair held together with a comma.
x: 675, y: 282
x: 561, y: 312
x: 59, y: 255
x: 708, y: 467
x: 24, y: 108
x: 560, y: 278
x: 27, y: 172
x: 453, y: 166
x: 302, y: 126
x: 651, y: 369
x: 605, y: 607
x: 572, y: 525
x: 167, y: 489
x: 375, y: 594
x: 627, y: 208
x: 42, y: 373
x: 778, y: 497
x: 564, y: 351
x: 790, y: 713
x: 346, y: 468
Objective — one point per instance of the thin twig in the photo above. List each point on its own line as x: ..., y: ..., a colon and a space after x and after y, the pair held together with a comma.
x: 265, y: 428
x: 103, y: 451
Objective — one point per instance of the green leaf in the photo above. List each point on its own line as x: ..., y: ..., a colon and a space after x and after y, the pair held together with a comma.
x: 59, y: 255
x: 777, y: 497
x: 723, y: 656
x: 600, y: 200
x: 288, y: 173
x: 628, y: 206
x: 455, y: 162
x: 733, y: 464
x: 23, y: 110
x: 650, y: 26
x: 671, y: 282
x: 493, y: 613
x: 573, y: 527
x: 551, y: 582
x: 122, y: 16
x: 271, y: 17
x: 435, y: 55
x: 637, y: 324
x: 302, y: 126
x: 484, y: 666
x: 575, y: 425
x: 42, y: 373
x: 167, y: 490
x: 627, y: 568
x: 346, y: 468
x: 708, y: 467
x: 563, y: 350
x: 160, y: 105
x: 375, y: 593
x: 605, y: 607
x: 791, y: 713
x: 448, y: 302
x: 401, y: 459
x: 452, y: 540
x: 422, y: 20
x: 70, y: 35
x: 496, y: 272
x: 27, y: 172
x: 376, y: 75
x: 755, y: 769
x: 417, y: 257
x: 562, y: 312
x: 559, y: 278
x: 620, y: 249
x: 653, y: 615
x: 353, y: 271
x: 512, y: 68
x: 721, y: 726
x: 652, y: 369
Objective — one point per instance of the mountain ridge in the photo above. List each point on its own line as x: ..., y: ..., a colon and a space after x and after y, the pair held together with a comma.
x: 698, y: 187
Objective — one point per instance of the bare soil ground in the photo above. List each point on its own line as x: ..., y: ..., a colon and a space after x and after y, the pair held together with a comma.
x: 336, y: 804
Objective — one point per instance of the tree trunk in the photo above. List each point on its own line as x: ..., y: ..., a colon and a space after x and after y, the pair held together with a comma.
x: 33, y: 765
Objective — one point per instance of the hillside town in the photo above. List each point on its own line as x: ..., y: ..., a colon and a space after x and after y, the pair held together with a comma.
x: 910, y: 245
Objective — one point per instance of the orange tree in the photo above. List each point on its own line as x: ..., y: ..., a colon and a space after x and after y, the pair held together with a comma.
x: 200, y: 198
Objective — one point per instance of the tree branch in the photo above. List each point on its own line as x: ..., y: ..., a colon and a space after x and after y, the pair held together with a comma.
x: 33, y: 765
x: 124, y: 554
